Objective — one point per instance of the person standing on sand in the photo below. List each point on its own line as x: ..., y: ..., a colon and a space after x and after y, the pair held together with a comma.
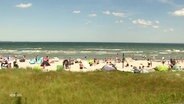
x: 163, y: 60
x: 66, y: 64
x: 81, y: 66
x: 15, y: 64
x: 149, y: 62
x: 36, y: 58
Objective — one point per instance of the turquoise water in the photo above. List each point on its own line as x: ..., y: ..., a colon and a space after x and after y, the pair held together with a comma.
x: 98, y: 50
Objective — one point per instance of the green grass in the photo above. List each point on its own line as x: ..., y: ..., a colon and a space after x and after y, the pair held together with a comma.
x: 92, y: 87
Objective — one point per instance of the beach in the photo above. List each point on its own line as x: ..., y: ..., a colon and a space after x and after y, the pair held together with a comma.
x: 66, y: 75
x: 136, y: 55
x: 128, y: 66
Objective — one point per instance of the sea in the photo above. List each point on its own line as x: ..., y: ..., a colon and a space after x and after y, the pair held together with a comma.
x: 92, y: 50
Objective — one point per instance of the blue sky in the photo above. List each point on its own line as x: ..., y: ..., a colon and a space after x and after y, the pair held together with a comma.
x: 92, y: 20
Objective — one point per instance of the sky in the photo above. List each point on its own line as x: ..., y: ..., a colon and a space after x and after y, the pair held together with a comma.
x: 155, y: 21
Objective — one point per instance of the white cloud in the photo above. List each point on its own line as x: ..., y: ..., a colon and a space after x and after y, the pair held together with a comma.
x: 92, y: 15
x: 76, y: 11
x: 118, y: 14
x: 142, y: 22
x: 22, y: 5
x: 119, y: 21
x: 157, y: 22
x: 155, y: 26
x: 169, y: 30
x: 147, y: 23
x: 179, y: 12
x: 106, y: 12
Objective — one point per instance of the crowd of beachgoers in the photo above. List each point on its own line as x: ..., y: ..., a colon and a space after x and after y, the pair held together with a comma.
x: 83, y: 65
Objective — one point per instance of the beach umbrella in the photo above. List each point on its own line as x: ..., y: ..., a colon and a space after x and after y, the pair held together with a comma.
x: 108, y: 68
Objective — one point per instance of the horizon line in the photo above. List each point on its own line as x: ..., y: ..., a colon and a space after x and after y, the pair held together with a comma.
x: 90, y: 42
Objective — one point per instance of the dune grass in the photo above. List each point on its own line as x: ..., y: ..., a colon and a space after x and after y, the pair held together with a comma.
x: 91, y: 87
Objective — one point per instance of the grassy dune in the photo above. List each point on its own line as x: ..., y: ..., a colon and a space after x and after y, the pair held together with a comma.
x: 91, y: 87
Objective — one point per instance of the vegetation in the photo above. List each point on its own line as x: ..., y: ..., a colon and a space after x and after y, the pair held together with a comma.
x: 63, y: 87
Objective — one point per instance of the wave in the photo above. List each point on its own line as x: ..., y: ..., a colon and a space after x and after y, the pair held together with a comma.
x: 30, y: 51
x: 85, y: 51
x: 132, y: 52
x: 70, y: 52
x: 101, y: 49
x: 175, y: 51
x: 101, y: 52
x: 67, y: 51
x: 8, y: 51
x: 30, y: 48
x: 97, y: 51
x: 163, y: 53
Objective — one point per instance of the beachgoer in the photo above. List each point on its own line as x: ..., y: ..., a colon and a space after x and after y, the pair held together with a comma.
x: 66, y: 64
x: 163, y: 60
x: 45, y: 61
x: 136, y: 70
x: 149, y: 63
x: 23, y: 59
x: 15, y: 64
x: 4, y: 64
x: 81, y: 66
x: 172, y: 62
x: 127, y: 65
x: 36, y: 58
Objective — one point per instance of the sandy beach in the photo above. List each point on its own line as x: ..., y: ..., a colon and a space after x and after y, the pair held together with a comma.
x: 142, y: 65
